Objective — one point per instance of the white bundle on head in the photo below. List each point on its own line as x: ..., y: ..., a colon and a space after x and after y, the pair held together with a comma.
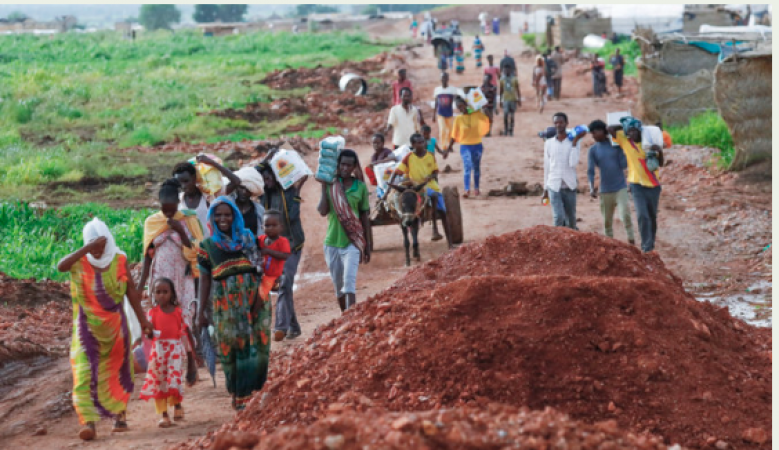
x: 97, y: 228
x: 252, y: 180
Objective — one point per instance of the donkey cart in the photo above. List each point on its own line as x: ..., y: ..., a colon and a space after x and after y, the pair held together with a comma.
x: 386, y: 214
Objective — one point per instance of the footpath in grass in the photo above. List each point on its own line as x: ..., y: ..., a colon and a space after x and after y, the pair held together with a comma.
x: 67, y: 100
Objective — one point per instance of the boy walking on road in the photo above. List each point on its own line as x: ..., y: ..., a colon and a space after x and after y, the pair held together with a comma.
x: 510, y: 96
x: 613, y: 188
x: 561, y: 156
x: 398, y: 85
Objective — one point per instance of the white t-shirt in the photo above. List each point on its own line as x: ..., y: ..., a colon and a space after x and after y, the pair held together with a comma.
x: 201, y: 211
x: 404, y: 124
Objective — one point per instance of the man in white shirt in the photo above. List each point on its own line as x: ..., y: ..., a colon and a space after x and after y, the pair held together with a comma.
x: 561, y: 156
x: 404, y: 119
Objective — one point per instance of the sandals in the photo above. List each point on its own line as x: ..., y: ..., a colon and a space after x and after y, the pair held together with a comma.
x: 476, y: 193
x: 466, y: 194
x: 437, y: 237
x: 178, y: 413
x: 88, y: 432
x: 120, y: 424
x: 164, y: 421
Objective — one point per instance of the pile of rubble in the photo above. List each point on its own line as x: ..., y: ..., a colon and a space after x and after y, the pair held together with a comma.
x: 544, y: 317
x: 491, y: 427
x: 35, y: 318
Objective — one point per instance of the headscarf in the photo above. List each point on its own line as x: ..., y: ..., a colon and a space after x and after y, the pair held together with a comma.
x: 252, y: 180
x: 239, y: 235
x: 240, y: 239
x: 629, y: 122
x: 97, y: 228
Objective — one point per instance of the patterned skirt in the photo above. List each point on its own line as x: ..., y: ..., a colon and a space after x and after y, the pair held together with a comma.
x: 242, y: 340
x: 163, y: 378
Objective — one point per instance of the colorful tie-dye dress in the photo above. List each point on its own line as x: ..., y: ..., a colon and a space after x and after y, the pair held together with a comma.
x: 100, y: 351
x: 242, y: 341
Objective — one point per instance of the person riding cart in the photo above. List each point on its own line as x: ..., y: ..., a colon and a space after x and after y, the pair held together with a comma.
x: 421, y: 170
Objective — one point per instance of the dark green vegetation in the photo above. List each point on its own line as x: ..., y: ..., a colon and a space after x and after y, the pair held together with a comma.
x: 709, y: 130
x: 630, y: 50
x: 33, y: 241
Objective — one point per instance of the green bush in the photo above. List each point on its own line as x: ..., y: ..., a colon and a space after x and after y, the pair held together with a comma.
x: 530, y: 40
x: 34, y: 240
x: 709, y: 130
x: 630, y: 50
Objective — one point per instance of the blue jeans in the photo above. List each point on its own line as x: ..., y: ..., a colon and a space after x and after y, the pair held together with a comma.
x: 286, y: 319
x: 646, y: 200
x: 471, y: 155
x: 563, y: 207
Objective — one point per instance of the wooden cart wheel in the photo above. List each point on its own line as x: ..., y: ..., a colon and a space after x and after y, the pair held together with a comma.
x: 454, y: 216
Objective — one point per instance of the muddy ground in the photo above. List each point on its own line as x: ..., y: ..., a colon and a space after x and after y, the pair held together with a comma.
x: 712, y: 231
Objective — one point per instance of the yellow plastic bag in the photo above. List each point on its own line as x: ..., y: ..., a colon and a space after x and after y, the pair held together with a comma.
x: 209, y: 179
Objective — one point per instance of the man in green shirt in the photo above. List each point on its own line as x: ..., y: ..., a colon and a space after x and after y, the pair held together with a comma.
x: 347, y: 242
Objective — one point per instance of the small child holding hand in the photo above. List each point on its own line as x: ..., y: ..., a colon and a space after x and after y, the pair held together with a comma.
x: 164, y: 374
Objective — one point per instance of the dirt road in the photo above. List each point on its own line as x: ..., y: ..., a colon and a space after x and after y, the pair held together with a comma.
x: 687, y: 248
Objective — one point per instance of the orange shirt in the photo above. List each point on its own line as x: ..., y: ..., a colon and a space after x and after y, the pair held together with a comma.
x: 171, y: 325
x: 667, y: 142
x: 274, y: 267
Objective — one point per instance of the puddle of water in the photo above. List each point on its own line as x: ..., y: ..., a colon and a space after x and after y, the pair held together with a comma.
x: 308, y: 278
x: 753, y: 306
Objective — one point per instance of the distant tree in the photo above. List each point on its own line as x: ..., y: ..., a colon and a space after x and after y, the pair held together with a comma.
x: 232, y: 13
x: 306, y: 9
x: 371, y: 9
x: 206, y: 13
x: 155, y: 17
x: 17, y: 16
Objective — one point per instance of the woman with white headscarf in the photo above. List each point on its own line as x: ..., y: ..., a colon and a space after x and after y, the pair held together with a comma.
x: 100, y: 353
x: 251, y: 187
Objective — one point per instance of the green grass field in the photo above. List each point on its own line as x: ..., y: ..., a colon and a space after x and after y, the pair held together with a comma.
x: 68, y: 100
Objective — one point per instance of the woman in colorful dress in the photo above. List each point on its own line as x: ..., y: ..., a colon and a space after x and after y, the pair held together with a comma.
x: 170, y: 240
x: 459, y: 57
x: 230, y: 263
x: 478, y: 49
x: 100, y: 350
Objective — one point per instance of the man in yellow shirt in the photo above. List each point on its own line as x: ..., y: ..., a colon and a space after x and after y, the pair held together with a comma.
x: 420, y: 168
x: 643, y: 177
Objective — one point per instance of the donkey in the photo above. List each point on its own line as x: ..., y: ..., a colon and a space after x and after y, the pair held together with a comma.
x: 409, y: 207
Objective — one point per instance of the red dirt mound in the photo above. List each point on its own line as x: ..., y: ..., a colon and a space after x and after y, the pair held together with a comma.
x: 492, y: 427
x: 540, y: 250
x: 35, y: 318
x: 617, y: 340
x: 322, y: 77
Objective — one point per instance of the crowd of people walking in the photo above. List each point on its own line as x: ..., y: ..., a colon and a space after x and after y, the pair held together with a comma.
x: 210, y: 263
